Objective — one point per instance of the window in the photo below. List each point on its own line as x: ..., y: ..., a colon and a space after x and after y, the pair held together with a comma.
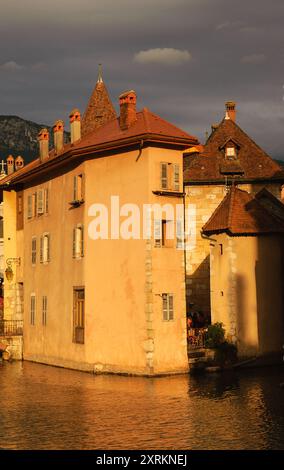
x: 20, y: 218
x: 34, y: 204
x: 40, y: 202
x: 180, y: 238
x: 78, y: 188
x: 168, y: 307
x: 78, y: 315
x: 44, y: 310
x: 45, y: 248
x: 164, y: 175
x: 33, y: 250
x: 221, y: 249
x: 176, y: 177
x: 46, y: 207
x: 163, y: 233
x: 33, y: 309
x: 230, y: 152
x: 78, y: 241
x: 170, y: 176
x: 30, y: 207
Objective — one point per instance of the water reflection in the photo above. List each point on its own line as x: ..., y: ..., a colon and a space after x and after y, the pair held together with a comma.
x: 44, y: 407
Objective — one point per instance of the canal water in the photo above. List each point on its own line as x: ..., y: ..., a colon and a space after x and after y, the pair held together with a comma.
x: 44, y: 407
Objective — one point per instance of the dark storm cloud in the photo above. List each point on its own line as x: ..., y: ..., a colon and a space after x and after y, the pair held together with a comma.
x: 184, y: 58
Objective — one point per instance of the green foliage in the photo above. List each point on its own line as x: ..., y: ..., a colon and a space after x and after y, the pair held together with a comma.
x: 215, y: 336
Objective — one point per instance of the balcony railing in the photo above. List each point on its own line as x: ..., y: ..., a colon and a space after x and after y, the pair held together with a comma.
x: 196, y: 338
x: 11, y: 327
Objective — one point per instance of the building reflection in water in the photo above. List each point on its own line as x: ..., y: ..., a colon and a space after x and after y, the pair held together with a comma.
x: 46, y: 407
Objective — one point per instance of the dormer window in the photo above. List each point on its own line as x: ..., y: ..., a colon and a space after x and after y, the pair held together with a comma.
x: 231, y: 152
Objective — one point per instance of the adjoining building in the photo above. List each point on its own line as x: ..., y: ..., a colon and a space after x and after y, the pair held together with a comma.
x: 246, y: 271
x: 111, y: 304
x: 228, y: 157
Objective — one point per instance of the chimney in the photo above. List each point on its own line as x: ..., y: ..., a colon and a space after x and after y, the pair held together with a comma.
x: 43, y: 139
x: 127, y: 102
x: 75, y: 125
x: 10, y: 165
x: 231, y: 110
x: 19, y: 163
x: 58, y: 133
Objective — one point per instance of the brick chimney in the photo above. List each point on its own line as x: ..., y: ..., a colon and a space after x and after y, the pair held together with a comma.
x: 127, y: 102
x: 58, y: 133
x: 231, y: 110
x: 19, y: 163
x: 75, y: 125
x: 10, y: 164
x: 43, y: 139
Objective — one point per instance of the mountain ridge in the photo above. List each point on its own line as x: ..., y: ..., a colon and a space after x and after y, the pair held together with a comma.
x: 18, y: 136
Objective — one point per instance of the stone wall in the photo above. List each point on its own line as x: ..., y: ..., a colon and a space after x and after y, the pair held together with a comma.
x: 203, y: 200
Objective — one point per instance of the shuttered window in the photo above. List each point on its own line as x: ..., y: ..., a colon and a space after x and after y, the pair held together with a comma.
x: 180, y: 233
x: 33, y: 309
x: 40, y: 202
x: 34, y: 204
x: 176, y: 177
x: 78, y: 187
x: 30, y: 207
x: 168, y: 307
x: 78, y: 241
x: 78, y: 315
x: 164, y: 175
x: 158, y: 232
x: 46, y: 202
x: 44, y: 310
x: 33, y: 250
x: 45, y: 248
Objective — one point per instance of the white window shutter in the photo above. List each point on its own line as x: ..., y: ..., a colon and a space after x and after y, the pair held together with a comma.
x: 75, y: 197
x: 180, y: 233
x: 30, y: 207
x: 82, y: 240
x: 47, y: 247
x: 165, y: 306
x: 40, y: 201
x: 171, y: 307
x: 74, y: 243
x: 164, y: 175
x: 158, y: 232
x: 46, y: 201
x: 176, y: 177
x: 41, y: 250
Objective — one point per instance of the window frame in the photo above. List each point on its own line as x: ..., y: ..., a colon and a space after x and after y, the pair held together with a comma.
x: 168, y: 307
x: 78, y: 315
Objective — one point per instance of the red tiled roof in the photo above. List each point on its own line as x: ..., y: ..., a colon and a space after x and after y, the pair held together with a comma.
x: 253, y: 161
x: 147, y: 123
x: 241, y: 214
x: 148, y: 127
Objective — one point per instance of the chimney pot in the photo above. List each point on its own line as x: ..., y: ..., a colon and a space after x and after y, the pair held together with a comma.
x: 127, y: 102
x: 75, y: 125
x: 19, y: 163
x: 231, y: 110
x: 43, y: 139
x: 10, y: 164
x: 58, y: 133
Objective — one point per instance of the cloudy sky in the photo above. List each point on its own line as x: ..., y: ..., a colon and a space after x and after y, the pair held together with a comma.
x: 184, y: 58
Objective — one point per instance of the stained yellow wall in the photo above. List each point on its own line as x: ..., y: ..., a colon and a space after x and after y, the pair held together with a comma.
x: 205, y: 199
x: 246, y: 291
x: 123, y: 279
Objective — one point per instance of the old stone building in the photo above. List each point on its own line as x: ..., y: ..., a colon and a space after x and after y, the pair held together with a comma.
x: 228, y: 157
x: 246, y: 265
x: 110, y: 304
